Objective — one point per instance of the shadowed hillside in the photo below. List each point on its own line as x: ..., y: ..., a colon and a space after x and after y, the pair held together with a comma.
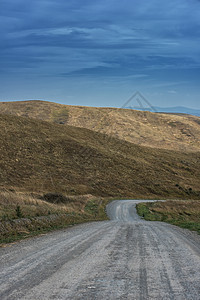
x: 157, y: 130
x: 39, y: 156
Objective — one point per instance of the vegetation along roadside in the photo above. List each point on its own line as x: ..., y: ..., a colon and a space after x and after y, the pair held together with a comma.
x: 25, y: 215
x: 183, y: 213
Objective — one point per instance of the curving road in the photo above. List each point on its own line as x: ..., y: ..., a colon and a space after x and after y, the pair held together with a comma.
x: 125, y: 258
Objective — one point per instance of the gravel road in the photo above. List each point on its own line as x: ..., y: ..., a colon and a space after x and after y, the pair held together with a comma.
x: 125, y: 258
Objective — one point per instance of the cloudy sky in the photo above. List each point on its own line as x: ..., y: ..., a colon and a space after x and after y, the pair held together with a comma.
x: 99, y: 52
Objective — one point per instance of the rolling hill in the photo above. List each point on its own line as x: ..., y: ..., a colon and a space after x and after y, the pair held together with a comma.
x: 155, y: 130
x: 40, y: 156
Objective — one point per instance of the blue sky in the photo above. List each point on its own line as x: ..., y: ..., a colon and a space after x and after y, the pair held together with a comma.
x: 99, y: 52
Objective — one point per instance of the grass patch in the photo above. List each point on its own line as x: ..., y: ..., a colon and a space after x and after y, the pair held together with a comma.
x: 183, y: 213
x: 23, y: 215
x: 60, y: 115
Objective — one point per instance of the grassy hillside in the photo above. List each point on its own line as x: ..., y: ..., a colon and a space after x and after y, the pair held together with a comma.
x: 38, y: 156
x: 156, y: 130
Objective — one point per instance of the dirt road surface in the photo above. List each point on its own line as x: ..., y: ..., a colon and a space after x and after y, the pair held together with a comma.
x: 125, y: 258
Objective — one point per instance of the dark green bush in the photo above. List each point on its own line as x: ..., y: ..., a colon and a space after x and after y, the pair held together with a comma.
x: 56, y: 198
x: 19, y: 212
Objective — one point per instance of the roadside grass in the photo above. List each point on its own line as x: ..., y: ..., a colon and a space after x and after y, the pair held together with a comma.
x: 183, y: 213
x: 13, y: 204
x: 26, y: 215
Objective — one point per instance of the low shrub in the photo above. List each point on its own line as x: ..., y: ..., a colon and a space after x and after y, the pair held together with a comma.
x: 56, y: 198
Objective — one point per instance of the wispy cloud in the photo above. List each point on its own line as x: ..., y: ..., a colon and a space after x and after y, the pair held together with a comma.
x: 101, y: 39
x: 172, y: 92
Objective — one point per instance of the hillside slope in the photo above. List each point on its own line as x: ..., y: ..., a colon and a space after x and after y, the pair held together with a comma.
x: 156, y: 130
x: 39, y: 156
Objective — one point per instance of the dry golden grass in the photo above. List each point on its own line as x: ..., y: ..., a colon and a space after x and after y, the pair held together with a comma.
x: 33, y: 206
x: 30, y: 206
x: 41, y: 157
x: 156, y: 130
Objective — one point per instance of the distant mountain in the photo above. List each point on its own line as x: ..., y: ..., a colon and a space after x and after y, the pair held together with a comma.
x: 173, y: 110
x: 179, y: 109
